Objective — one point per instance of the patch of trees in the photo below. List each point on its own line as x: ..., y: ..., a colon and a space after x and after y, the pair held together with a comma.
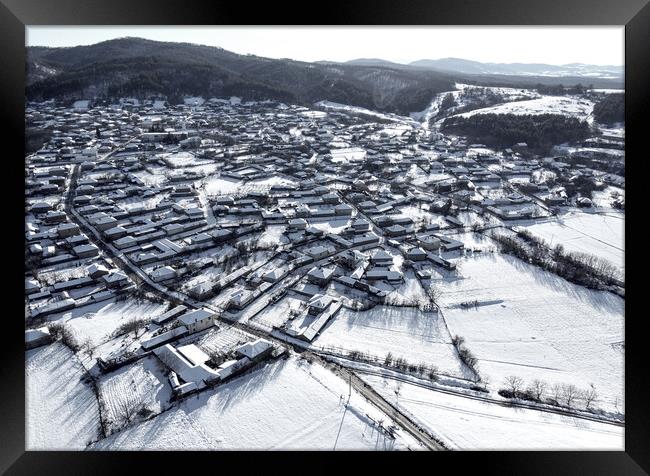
x: 64, y: 333
x: 465, y: 354
x: 36, y: 138
x: 540, y: 132
x: 540, y: 392
x: 561, y: 90
x: 447, y: 102
x: 579, y: 268
x: 134, y: 325
x: 610, y: 109
x: 582, y: 185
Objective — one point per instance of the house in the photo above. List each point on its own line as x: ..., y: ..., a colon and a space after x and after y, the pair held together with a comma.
x: 40, y: 207
x: 416, y: 254
x: 32, y: 286
x: 196, y: 321
x: 343, y: 209
x: 103, y: 222
x: 255, y: 350
x: 65, y: 230
x: 395, y: 230
x: 53, y: 217
x: 115, y: 233
x: 37, y: 337
x: 318, y: 303
x: 381, y: 258
x: 318, y: 252
x: 169, y: 315
x: 297, y: 224
x: 384, y: 275
x: 429, y: 242
x: 360, y: 225
x: 164, y: 273
x: 115, y: 280
x: 86, y: 251
x: 274, y: 275
x: 320, y: 276
x: 240, y: 299
x: 126, y: 242
x: 96, y: 271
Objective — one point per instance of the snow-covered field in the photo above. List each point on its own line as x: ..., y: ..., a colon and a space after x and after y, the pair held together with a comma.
x: 288, y: 404
x: 97, y: 322
x: 403, y: 331
x: 540, y: 327
x: 566, y: 105
x: 143, y: 384
x: 221, y: 186
x: 597, y: 234
x: 603, y: 198
x: 347, y: 154
x: 469, y: 424
x: 61, y: 412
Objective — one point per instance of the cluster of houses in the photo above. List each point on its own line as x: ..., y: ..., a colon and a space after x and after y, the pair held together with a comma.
x: 181, y: 195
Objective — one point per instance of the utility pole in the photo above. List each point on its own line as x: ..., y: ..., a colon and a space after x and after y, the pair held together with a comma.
x: 349, y: 388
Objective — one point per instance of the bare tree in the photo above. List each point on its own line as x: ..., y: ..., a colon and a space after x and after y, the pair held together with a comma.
x: 435, y: 293
x: 569, y: 393
x: 589, y: 396
x: 556, y: 391
x: 134, y: 325
x: 88, y: 347
x: 128, y: 408
x: 514, y: 384
x: 537, y: 388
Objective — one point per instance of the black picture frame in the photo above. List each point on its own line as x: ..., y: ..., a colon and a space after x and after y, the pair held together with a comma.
x: 15, y: 14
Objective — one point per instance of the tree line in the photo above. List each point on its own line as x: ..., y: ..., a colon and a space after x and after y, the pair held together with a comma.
x: 539, y: 132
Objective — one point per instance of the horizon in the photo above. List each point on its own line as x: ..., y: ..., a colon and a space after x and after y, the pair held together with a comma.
x: 597, y: 46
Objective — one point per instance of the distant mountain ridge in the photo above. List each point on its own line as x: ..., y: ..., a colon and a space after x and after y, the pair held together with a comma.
x: 459, y: 65
x: 135, y: 67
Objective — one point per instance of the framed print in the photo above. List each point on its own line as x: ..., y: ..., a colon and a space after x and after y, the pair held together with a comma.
x: 388, y: 232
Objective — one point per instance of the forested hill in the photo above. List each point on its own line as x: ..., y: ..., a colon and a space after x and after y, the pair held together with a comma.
x: 141, y: 68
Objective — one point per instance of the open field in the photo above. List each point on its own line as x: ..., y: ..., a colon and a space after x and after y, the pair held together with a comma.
x: 61, y: 412
x: 601, y: 235
x: 403, y: 331
x: 468, y: 424
x: 537, y: 325
x: 288, y: 404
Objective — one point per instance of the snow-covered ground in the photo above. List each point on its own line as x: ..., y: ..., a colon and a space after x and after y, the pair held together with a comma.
x: 289, y: 404
x: 594, y: 233
x: 143, y: 384
x: 347, y: 154
x: 97, y: 322
x: 603, y: 198
x: 566, y: 105
x: 61, y: 412
x: 469, y: 424
x: 537, y: 326
x: 333, y: 106
x: 403, y: 331
x: 221, y: 186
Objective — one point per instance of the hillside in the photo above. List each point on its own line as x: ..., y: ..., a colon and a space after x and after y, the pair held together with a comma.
x: 138, y: 67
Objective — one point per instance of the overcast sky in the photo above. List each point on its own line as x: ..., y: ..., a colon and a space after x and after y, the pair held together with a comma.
x: 551, y: 45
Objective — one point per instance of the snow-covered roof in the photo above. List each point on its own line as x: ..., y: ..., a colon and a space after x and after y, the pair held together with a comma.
x: 255, y: 348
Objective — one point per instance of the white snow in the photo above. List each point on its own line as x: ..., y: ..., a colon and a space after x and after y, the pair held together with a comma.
x: 545, y: 327
x: 598, y: 234
x: 141, y: 384
x: 566, y: 105
x: 468, y: 424
x: 61, y: 412
x: 403, y: 331
x: 288, y: 404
